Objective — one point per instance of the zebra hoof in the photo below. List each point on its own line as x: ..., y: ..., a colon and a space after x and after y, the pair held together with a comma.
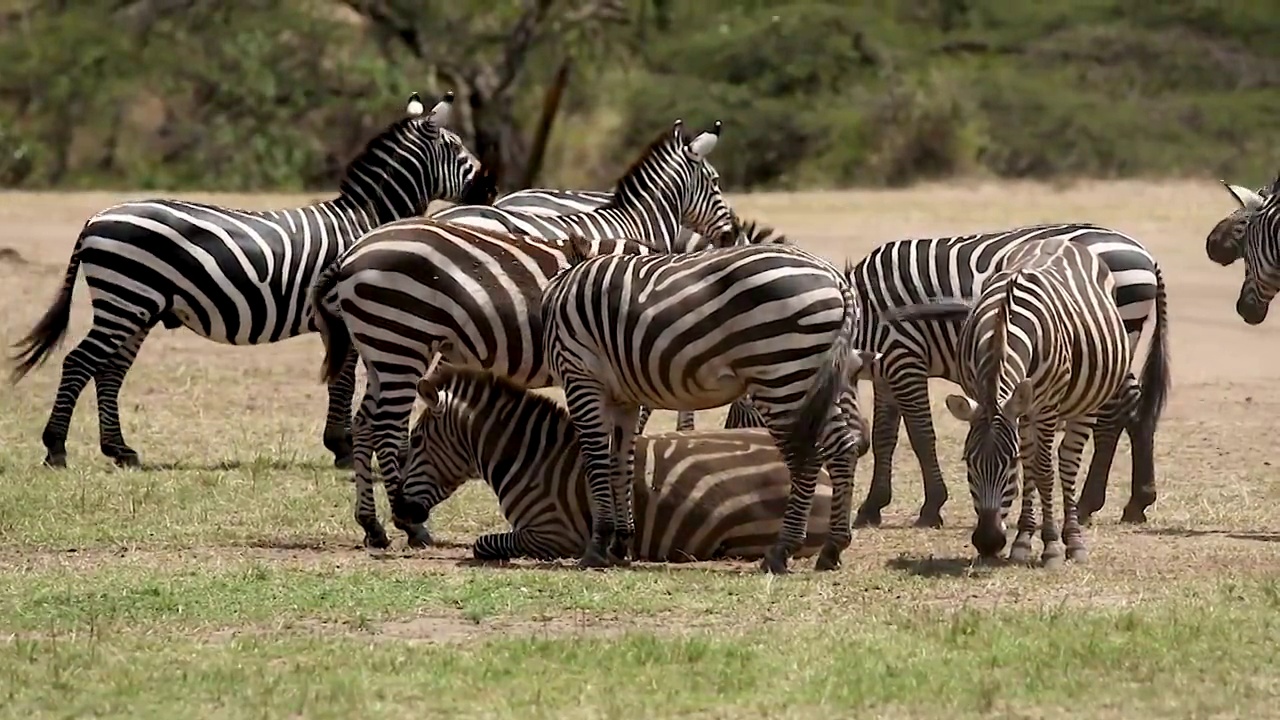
x: 593, y: 559
x: 346, y: 462
x: 55, y: 460
x: 828, y: 559
x: 376, y: 539
x: 1078, y: 554
x: 1020, y: 553
x: 1134, y: 515
x: 127, y: 459
x: 774, y: 562
x: 867, y: 518
x: 418, y: 538
x: 1052, y: 560
x: 929, y: 520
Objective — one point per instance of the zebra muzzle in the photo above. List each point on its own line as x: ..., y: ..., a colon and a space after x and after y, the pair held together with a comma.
x: 989, y: 534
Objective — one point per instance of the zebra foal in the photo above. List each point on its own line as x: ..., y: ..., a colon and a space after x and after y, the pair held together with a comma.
x: 694, y: 331
x: 1042, y: 347
x: 233, y: 276
x: 698, y: 496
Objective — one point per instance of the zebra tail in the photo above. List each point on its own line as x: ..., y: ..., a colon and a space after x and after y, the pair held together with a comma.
x: 34, y: 349
x: 329, y: 322
x: 830, y: 381
x: 1155, y: 371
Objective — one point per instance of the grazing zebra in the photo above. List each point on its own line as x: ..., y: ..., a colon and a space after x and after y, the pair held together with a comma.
x: 1225, y: 242
x: 670, y: 186
x: 906, y: 272
x: 1042, y: 347
x: 1260, y: 250
x: 698, y: 496
x: 690, y: 332
x: 233, y: 276
x: 414, y: 288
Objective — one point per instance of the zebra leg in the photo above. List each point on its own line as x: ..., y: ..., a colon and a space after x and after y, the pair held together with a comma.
x: 519, y: 543
x: 795, y: 519
x: 624, y: 448
x: 366, y: 509
x: 1074, y: 437
x: 684, y: 421
x: 105, y: 340
x: 742, y: 414
x: 1020, y: 553
x: 337, y: 422
x: 107, y: 385
x: 643, y: 418
x: 585, y: 399
x: 1142, y: 491
x: 1094, y: 494
x: 839, y: 533
x: 1038, y: 464
x: 884, y: 440
x: 913, y: 401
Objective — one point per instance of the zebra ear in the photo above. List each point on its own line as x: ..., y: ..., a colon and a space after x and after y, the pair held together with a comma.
x: 429, y: 394
x: 961, y: 407
x: 440, y: 113
x: 700, y: 147
x: 1248, y: 199
x: 415, y: 106
x: 1018, y: 403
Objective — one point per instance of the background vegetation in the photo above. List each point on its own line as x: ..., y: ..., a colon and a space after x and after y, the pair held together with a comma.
x: 278, y: 94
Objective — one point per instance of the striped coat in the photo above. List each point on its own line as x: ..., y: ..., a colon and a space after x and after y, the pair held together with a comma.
x: 1260, y: 248
x: 233, y: 276
x: 698, y: 496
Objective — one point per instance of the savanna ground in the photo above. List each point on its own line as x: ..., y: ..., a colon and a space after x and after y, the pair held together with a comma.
x: 227, y: 579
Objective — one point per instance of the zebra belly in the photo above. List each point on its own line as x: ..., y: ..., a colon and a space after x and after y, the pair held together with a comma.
x: 716, y: 493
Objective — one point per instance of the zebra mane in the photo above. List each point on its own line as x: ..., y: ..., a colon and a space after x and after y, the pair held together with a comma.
x: 626, y: 185
x: 754, y: 233
x: 577, y: 249
x: 490, y: 384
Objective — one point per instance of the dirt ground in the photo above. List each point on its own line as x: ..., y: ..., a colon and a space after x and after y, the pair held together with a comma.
x: 191, y: 403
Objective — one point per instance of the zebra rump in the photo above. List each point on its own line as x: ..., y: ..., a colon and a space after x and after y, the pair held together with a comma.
x: 698, y: 496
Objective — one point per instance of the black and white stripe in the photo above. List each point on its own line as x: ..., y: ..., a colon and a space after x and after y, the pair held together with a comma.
x: 414, y: 288
x: 1260, y: 250
x: 698, y: 496
x: 691, y: 332
x: 672, y: 185
x: 1043, y: 347
x: 233, y: 276
x: 906, y: 272
x: 1225, y: 242
x: 550, y: 201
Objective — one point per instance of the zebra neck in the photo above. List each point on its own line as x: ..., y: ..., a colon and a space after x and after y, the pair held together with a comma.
x: 375, y: 211
x: 519, y: 443
x: 655, y: 223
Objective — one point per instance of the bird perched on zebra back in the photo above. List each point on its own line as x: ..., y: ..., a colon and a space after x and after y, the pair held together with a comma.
x: 698, y: 496
x: 1042, y: 346
x: 694, y: 331
x: 233, y: 276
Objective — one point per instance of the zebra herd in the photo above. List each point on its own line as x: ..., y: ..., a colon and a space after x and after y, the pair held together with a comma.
x: 654, y: 296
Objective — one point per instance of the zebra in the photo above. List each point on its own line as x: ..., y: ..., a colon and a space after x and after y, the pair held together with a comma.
x: 1043, y: 346
x: 1225, y: 242
x: 412, y: 289
x: 669, y: 186
x: 905, y: 272
x: 699, y: 496
x: 694, y: 331
x: 1260, y: 249
x: 546, y: 201
x: 233, y: 276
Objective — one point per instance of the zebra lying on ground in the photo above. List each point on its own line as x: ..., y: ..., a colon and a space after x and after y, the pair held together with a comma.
x: 416, y: 287
x: 1260, y: 249
x: 906, y: 272
x: 1225, y: 242
x: 232, y: 276
x: 548, y: 201
x: 690, y: 332
x: 698, y: 496
x: 1043, y: 346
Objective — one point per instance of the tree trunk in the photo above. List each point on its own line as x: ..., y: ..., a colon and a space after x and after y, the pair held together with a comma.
x: 542, y: 134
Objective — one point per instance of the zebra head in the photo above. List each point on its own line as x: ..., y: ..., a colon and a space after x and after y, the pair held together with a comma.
x: 674, y: 172
x: 991, y: 461
x: 436, y: 459
x: 1225, y: 242
x: 411, y: 163
x: 1261, y: 250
